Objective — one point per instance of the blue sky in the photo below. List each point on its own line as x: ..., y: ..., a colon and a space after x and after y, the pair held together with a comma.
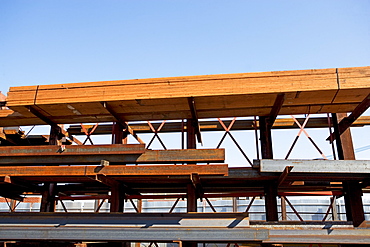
x: 49, y: 41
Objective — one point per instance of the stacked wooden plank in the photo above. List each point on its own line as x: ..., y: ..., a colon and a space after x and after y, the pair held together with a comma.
x: 244, y: 94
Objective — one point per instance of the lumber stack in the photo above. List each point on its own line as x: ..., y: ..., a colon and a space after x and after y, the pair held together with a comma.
x: 244, y: 94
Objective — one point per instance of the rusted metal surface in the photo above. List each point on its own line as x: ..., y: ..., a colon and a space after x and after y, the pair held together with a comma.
x: 281, y: 123
x: 72, y: 150
x: 113, y: 170
x: 130, y: 153
x: 346, y: 122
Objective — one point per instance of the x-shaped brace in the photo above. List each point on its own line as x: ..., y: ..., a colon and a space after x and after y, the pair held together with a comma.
x: 227, y: 132
x: 88, y: 133
x: 155, y: 131
x: 301, y: 129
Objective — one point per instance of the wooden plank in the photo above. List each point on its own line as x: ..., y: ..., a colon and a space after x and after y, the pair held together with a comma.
x: 268, y: 74
x: 174, y: 87
x: 113, y: 170
x: 246, y: 94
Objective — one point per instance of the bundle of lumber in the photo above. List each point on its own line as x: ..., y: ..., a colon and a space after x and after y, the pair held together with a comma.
x: 228, y: 95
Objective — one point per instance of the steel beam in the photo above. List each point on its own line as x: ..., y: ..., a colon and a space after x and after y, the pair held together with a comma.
x: 346, y: 122
x: 112, y: 170
x: 196, y: 234
x: 119, y: 119
x: 281, y: 123
x: 276, y: 108
x: 130, y: 227
x: 322, y: 236
x: 194, y: 118
x: 93, y: 154
x: 314, y: 166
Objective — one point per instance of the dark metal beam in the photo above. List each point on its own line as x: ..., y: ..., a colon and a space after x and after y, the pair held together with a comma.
x: 223, y: 227
x: 110, y: 109
x: 276, y: 108
x: 115, y: 154
x: 346, y: 122
x: 265, y: 138
x: 284, y: 175
x: 194, y: 118
x: 271, y: 194
x: 35, y: 111
x: 191, y: 198
x: 195, y: 179
x: 286, y: 123
x: 17, y: 182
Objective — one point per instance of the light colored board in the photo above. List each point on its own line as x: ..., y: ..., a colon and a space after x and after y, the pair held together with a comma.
x: 316, y: 166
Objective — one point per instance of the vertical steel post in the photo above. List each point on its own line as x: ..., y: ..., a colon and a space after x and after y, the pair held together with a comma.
x: 49, y: 192
x: 270, y: 189
x: 283, y: 209
x: 191, y: 194
x: 118, y: 136
x: 235, y: 204
x: 265, y: 138
x: 117, y: 198
x: 191, y: 199
x: 352, y: 189
x: 191, y: 144
x: 190, y: 134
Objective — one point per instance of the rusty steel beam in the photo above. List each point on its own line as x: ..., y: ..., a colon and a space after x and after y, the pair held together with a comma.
x: 93, y: 154
x: 194, y: 117
x: 121, y: 121
x: 281, y: 123
x: 51, y: 150
x: 17, y: 182
x: 35, y: 111
x: 112, y: 170
x: 276, y: 108
x: 347, y: 122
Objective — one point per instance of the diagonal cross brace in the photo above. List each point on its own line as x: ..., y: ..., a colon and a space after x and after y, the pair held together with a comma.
x: 194, y: 117
x: 308, y: 136
x: 227, y: 132
x: 346, y: 122
x: 155, y: 131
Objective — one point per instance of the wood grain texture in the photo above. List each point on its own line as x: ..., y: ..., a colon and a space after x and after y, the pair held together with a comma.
x: 229, y: 95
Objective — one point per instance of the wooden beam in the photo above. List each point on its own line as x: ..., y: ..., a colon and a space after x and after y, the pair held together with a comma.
x: 233, y: 95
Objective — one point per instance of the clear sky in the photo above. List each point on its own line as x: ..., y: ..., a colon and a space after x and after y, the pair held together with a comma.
x: 50, y: 41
